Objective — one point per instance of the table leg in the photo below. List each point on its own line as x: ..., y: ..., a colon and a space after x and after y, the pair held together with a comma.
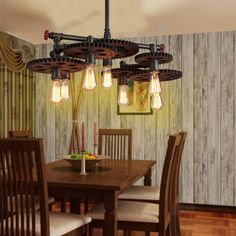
x: 75, y: 206
x: 148, y: 178
x: 110, y: 215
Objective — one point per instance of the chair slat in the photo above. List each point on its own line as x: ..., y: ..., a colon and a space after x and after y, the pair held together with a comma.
x: 19, y: 185
x: 118, y: 143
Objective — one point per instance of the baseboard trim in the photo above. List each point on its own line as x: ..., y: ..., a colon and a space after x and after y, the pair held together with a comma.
x: 203, y: 207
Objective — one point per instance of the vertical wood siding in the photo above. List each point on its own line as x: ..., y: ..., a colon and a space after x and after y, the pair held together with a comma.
x: 203, y: 103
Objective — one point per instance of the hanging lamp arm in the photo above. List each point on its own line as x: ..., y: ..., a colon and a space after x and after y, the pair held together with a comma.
x: 60, y: 36
x: 107, y: 33
x: 159, y: 47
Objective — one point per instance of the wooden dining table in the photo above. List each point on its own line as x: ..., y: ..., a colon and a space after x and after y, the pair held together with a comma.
x: 104, y: 184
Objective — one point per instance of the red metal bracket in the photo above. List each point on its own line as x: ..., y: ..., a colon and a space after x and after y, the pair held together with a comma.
x: 46, y: 34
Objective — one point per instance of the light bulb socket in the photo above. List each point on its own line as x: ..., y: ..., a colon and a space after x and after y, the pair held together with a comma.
x: 123, y: 80
x: 152, y: 48
x: 65, y: 76
x: 107, y: 62
x: 90, y: 59
x: 154, y: 65
x: 90, y: 39
x: 122, y: 64
x: 56, y: 73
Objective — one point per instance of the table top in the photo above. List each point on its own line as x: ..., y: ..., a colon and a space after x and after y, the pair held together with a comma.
x: 110, y: 174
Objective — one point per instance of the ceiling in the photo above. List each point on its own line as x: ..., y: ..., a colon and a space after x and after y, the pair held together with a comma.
x: 128, y: 18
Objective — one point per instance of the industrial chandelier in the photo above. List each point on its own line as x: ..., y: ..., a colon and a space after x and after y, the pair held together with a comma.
x: 82, y: 55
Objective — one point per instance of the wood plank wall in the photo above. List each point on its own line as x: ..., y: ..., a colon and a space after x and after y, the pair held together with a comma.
x: 203, y: 103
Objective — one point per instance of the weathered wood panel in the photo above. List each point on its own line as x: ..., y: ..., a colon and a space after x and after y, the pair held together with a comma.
x: 200, y: 118
x: 213, y: 117
x: 234, y: 78
x: 227, y: 141
x: 187, y: 117
x: 201, y: 103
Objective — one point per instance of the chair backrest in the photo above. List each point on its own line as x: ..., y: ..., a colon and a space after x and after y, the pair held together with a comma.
x: 19, y: 134
x: 116, y: 143
x: 166, y: 190
x: 20, y: 185
x: 175, y: 228
x: 178, y: 161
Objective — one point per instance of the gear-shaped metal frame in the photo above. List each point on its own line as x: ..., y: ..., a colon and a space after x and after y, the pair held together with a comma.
x: 65, y: 64
x: 164, y: 75
x: 145, y: 59
x: 126, y: 71
x: 99, y: 49
x: 125, y: 48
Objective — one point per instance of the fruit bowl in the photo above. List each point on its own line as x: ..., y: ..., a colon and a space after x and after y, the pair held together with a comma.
x: 90, y: 161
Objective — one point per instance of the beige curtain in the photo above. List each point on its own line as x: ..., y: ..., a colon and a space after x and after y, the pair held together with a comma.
x: 17, y: 85
x: 15, y: 52
x: 76, y: 95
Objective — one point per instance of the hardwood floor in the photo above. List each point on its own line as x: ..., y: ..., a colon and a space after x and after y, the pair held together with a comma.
x: 198, y: 223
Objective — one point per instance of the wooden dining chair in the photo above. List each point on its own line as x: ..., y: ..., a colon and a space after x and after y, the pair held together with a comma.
x: 27, y: 134
x: 175, y: 228
x: 116, y: 143
x: 152, y: 193
x: 143, y: 216
x: 21, y: 183
x: 19, y: 134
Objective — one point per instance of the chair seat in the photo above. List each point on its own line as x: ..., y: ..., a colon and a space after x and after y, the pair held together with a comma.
x: 60, y: 223
x: 136, y: 192
x: 129, y: 211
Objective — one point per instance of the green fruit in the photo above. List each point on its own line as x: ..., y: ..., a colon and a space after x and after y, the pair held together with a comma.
x: 76, y: 156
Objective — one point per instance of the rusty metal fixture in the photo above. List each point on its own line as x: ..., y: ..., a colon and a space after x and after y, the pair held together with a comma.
x: 127, y: 71
x: 99, y: 49
x: 125, y: 48
x: 65, y: 64
x: 164, y: 75
x: 145, y: 59
x: 64, y: 58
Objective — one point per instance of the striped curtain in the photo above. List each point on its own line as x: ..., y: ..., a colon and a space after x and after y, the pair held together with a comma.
x: 17, y: 90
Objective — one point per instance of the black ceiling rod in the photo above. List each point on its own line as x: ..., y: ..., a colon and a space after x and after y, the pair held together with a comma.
x: 107, y: 33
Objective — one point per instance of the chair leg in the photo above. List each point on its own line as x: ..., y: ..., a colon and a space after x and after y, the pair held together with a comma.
x: 177, y: 222
x: 126, y: 233
x: 63, y: 204
x: 147, y: 233
x: 86, y: 205
x: 90, y: 229
x: 87, y: 230
x: 50, y: 207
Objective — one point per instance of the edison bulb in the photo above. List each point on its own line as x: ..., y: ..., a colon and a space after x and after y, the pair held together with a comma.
x: 155, y: 85
x: 123, y: 95
x: 55, y: 96
x: 89, y: 78
x: 107, y: 81
x: 156, y: 103
x: 65, y: 89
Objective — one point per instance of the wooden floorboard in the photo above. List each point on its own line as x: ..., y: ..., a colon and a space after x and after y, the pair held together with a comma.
x: 197, y: 223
